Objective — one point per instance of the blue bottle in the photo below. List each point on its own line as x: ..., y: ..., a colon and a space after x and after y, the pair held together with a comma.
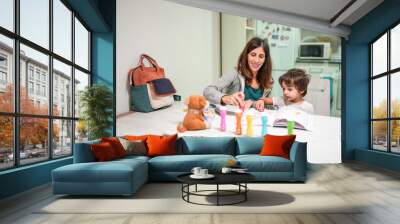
x: 264, y: 122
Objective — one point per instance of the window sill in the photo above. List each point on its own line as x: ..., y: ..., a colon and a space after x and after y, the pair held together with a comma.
x: 26, y: 167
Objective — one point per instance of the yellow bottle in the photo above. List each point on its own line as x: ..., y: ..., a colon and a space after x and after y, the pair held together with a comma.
x: 249, y: 119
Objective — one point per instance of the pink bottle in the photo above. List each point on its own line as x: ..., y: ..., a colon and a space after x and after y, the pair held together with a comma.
x: 222, y: 114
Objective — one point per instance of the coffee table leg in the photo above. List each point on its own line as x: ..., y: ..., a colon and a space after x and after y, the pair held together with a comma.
x: 217, y: 194
x: 245, y: 191
x: 196, y: 188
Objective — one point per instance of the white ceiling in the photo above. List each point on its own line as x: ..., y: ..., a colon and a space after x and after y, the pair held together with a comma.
x: 318, y: 9
x: 309, y: 14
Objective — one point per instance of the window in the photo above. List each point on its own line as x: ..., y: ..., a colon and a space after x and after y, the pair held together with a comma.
x: 46, y: 131
x: 30, y: 72
x: 81, y: 45
x: 37, y: 75
x: 3, y: 78
x: 44, y: 91
x: 30, y: 87
x: 7, y: 14
x: 385, y: 97
x: 3, y: 61
x: 6, y: 73
x: 35, y: 22
x: 62, y: 29
x: 38, y: 89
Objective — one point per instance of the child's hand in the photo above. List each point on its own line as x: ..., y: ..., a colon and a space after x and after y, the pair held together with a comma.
x: 259, y: 104
x: 247, y: 104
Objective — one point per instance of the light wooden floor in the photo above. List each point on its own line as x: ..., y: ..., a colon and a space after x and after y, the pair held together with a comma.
x: 378, y: 188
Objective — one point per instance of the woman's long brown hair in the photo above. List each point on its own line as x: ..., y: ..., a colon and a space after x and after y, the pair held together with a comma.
x: 264, y: 74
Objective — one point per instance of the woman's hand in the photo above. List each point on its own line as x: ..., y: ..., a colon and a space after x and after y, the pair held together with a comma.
x: 259, y: 104
x: 236, y: 99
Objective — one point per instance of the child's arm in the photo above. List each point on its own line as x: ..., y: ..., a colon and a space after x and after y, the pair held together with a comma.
x: 268, y: 100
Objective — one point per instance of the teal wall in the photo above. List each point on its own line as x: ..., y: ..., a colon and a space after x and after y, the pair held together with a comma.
x: 356, y: 87
x: 103, y: 52
x: 24, y: 178
x: 99, y: 15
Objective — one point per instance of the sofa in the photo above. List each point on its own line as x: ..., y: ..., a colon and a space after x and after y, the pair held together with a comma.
x: 126, y: 175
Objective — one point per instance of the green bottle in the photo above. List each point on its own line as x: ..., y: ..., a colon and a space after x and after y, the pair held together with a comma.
x: 290, y: 127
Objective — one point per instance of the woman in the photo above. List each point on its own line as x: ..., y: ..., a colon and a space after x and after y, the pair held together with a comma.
x: 249, y: 82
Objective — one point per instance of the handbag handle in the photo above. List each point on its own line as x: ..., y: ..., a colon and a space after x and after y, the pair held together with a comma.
x: 150, y: 60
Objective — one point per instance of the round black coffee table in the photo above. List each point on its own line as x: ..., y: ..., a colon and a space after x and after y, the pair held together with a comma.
x: 238, y: 179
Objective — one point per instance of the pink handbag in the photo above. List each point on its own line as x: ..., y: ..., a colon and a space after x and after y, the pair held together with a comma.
x: 142, y: 74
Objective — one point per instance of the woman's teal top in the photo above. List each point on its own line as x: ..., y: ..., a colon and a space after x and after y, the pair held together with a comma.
x: 252, y: 94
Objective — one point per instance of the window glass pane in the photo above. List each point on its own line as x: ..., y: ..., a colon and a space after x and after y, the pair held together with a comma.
x: 379, y: 98
x: 62, y: 29
x: 62, y: 89
x: 395, y: 94
x: 395, y: 136
x: 35, y: 21
x: 6, y: 142
x: 379, y: 55
x: 33, y: 139
x: 34, y: 81
x: 7, y: 14
x: 81, y: 81
x: 81, y: 45
x: 6, y: 74
x: 81, y: 131
x: 395, y: 47
x: 62, y: 133
x: 379, y: 135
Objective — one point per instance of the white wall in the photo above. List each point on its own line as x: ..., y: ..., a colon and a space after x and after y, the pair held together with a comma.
x: 184, y: 40
x: 233, y: 36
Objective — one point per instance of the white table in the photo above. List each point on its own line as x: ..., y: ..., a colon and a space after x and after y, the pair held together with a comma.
x: 323, y: 141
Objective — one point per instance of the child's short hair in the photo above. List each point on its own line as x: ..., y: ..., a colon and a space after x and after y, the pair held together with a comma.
x: 297, y: 78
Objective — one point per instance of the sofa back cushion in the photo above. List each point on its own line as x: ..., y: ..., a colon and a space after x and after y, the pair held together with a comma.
x: 104, y: 152
x: 161, y: 145
x: 83, y: 152
x: 277, y: 145
x: 116, y: 146
x: 249, y: 145
x: 195, y: 145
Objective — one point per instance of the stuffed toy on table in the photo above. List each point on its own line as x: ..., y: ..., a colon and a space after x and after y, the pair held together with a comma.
x: 194, y: 118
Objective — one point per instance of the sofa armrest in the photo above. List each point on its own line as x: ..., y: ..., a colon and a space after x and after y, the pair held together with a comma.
x: 83, y: 152
x: 298, y: 155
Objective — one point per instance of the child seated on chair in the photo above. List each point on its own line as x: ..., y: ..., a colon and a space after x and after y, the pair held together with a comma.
x: 294, y: 87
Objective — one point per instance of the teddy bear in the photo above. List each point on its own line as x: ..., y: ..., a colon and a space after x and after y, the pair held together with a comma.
x: 194, y: 118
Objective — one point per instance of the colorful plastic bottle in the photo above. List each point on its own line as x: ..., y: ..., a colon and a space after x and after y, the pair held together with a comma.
x: 290, y: 127
x: 238, y: 122
x: 264, y: 123
x: 249, y: 119
x: 222, y: 114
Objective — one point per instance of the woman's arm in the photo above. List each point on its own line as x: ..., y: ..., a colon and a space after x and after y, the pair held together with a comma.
x: 213, y: 92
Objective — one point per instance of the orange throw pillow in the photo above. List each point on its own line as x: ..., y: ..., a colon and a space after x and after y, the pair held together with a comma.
x: 161, y: 145
x: 116, y: 145
x: 277, y: 145
x: 103, y: 152
x: 136, y: 137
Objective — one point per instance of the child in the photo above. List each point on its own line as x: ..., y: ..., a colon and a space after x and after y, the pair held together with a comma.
x: 294, y: 86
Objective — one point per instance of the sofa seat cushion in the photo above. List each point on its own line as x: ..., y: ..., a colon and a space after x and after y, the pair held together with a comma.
x: 112, y: 171
x: 185, y: 163
x: 257, y: 163
x: 133, y: 158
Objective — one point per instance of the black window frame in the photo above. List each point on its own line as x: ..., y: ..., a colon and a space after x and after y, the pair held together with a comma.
x: 388, y: 74
x: 16, y: 115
